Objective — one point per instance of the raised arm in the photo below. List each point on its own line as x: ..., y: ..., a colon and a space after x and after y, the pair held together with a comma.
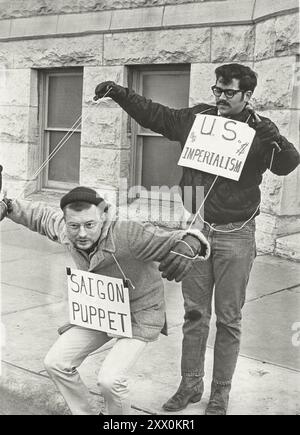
x: 171, y: 123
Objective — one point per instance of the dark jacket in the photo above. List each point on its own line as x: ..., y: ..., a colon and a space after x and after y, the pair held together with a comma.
x: 229, y: 200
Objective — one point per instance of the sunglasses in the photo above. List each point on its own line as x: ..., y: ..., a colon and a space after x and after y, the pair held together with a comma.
x: 229, y: 93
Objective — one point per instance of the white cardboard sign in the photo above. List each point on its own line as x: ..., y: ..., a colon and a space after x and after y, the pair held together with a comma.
x: 218, y: 146
x: 99, y: 302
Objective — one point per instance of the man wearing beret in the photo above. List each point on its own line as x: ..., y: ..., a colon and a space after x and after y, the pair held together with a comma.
x: 229, y: 214
x: 101, y: 242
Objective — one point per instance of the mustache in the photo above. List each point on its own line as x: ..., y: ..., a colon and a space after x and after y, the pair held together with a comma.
x: 223, y: 103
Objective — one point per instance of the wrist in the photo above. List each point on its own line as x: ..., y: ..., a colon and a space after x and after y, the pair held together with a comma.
x: 8, y: 204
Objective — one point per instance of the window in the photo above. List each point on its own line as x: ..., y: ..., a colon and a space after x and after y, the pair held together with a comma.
x: 61, y: 106
x: 155, y: 157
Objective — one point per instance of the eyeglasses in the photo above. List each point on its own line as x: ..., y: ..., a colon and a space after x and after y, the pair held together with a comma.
x: 229, y: 93
x: 87, y: 226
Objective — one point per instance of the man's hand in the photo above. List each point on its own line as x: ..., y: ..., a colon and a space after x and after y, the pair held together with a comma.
x: 180, y: 260
x: 110, y: 89
x: 267, y: 133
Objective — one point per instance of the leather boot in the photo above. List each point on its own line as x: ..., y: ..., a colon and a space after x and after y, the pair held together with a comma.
x: 219, y: 398
x: 190, y: 391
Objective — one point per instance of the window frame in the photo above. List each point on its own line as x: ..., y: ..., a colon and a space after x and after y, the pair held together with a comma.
x: 43, y: 182
x: 137, y: 134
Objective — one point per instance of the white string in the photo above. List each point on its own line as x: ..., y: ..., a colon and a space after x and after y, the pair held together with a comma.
x: 198, y: 212
x: 185, y: 256
x: 122, y: 272
x: 57, y: 148
x: 234, y: 229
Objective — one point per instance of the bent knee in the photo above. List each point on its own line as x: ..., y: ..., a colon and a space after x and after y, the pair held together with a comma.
x: 111, y: 383
x: 53, y: 363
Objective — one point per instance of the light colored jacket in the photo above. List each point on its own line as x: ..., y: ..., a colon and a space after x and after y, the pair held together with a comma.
x: 137, y: 247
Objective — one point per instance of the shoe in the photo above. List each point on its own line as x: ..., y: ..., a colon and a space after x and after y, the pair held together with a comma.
x: 188, y: 392
x: 219, y: 398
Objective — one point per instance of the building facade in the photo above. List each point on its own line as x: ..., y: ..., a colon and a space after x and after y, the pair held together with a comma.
x: 54, y: 52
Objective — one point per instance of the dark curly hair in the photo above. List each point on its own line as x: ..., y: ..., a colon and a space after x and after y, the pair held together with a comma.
x: 245, y: 75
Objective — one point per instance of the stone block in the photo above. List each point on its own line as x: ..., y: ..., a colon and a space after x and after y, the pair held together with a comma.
x: 95, y: 75
x: 137, y: 18
x: 275, y: 83
x: 102, y: 127
x: 58, y: 52
x: 296, y: 91
x: 14, y: 159
x: 266, y: 233
x: 290, y: 204
x: 172, y: 46
x: 100, y: 167
x: 232, y: 44
x: 18, y: 124
x: 277, y: 37
x: 271, y: 188
x: 268, y: 7
x: 265, y: 39
x: 288, y: 247
x: 34, y: 26
x: 15, y: 187
x: 5, y: 28
x: 24, y: 8
x: 208, y: 12
x: 20, y: 87
x: 84, y: 22
x: 288, y: 225
x: 287, y: 35
x: 6, y: 58
x: 202, y: 78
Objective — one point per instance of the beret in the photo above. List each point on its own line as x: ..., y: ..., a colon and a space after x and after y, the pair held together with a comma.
x: 80, y: 194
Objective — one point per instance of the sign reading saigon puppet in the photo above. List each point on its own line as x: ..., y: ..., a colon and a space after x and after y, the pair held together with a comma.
x: 99, y: 302
x: 218, y: 146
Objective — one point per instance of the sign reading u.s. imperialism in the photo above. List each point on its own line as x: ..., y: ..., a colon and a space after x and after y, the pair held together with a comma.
x: 218, y: 146
x: 99, y: 302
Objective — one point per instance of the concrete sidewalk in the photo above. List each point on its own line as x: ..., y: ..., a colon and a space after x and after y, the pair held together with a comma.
x: 33, y: 281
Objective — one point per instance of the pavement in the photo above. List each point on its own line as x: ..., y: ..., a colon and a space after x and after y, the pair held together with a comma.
x: 33, y: 284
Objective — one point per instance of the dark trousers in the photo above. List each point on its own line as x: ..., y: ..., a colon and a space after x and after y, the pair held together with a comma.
x: 227, y: 271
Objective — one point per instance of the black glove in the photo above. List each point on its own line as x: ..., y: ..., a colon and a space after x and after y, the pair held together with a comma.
x: 176, y: 266
x: 267, y: 133
x: 109, y: 89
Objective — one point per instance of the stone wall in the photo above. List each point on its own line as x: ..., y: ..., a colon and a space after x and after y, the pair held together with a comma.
x: 264, y: 36
x: 27, y: 8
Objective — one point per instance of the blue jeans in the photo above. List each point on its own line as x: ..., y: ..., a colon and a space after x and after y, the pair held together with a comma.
x: 227, y: 271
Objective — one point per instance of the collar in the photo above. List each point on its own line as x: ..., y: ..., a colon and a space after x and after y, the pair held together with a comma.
x: 243, y: 116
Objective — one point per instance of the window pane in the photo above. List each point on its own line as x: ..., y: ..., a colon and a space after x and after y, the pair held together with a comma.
x: 160, y: 158
x: 64, y: 100
x: 65, y: 164
x: 168, y: 89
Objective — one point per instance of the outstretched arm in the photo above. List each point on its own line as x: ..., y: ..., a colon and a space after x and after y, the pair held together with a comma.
x: 42, y: 219
x: 175, y: 250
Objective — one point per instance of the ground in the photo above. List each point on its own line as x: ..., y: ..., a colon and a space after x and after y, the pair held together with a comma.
x: 33, y: 285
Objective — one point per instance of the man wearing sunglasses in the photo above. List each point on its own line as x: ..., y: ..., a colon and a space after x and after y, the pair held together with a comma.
x: 230, y: 210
